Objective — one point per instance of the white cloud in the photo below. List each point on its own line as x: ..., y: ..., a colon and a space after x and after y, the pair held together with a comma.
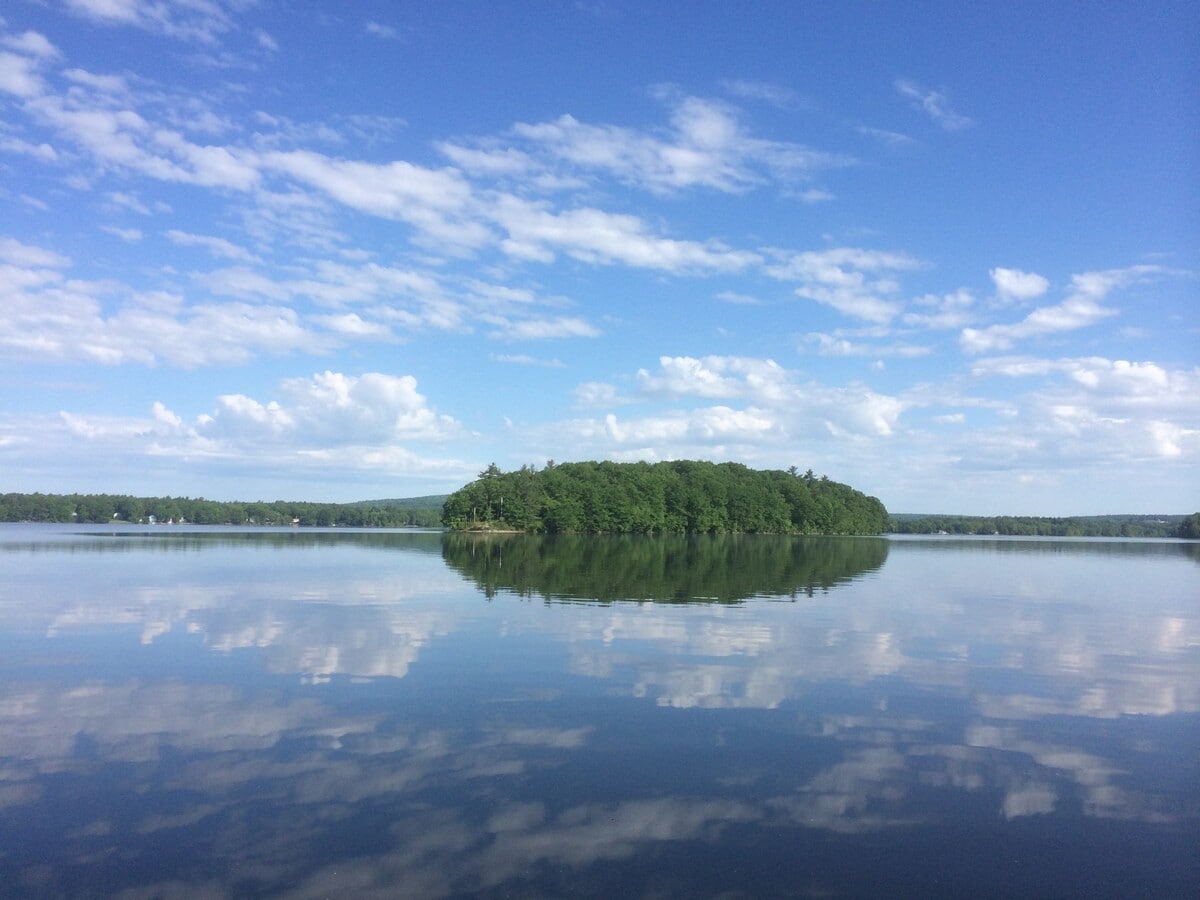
x: 330, y: 410
x: 353, y: 325
x: 109, y: 86
x: 437, y: 202
x: 214, y: 245
x: 19, y: 76
x: 130, y: 202
x: 597, y: 395
x: 953, y: 310
x: 706, y: 146
x: 1081, y: 309
x: 1095, y: 411
x: 43, y: 151
x: 524, y: 359
x: 835, y: 345
x: 763, y: 380
x: 592, y: 235
x: 51, y: 317
x: 238, y: 415
x: 195, y: 20
x: 123, y: 139
x: 380, y: 30
x: 18, y: 254
x: 488, y: 162
x: 935, y: 104
x: 1131, y: 384
x: 739, y: 299
x: 768, y: 92
x: 765, y: 413
x: 1013, y: 284
x: 852, y: 280
x: 888, y: 138
x: 815, y: 195
x: 129, y: 235
x: 536, y: 328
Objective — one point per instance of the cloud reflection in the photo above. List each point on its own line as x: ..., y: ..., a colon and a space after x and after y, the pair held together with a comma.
x: 503, y: 745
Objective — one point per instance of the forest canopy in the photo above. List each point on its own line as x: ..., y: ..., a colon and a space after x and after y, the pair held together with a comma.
x: 668, y: 497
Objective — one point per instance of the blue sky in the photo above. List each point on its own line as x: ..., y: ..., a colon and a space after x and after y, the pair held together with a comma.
x: 947, y: 253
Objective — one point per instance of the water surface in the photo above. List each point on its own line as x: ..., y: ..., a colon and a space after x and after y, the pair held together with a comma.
x: 196, y: 712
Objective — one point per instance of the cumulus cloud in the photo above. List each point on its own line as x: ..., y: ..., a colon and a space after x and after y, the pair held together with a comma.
x: 761, y: 409
x: 334, y: 408
x: 340, y: 425
x: 1137, y: 384
x: 1080, y: 309
x: 1097, y: 411
x: 1013, y: 284
x: 716, y: 377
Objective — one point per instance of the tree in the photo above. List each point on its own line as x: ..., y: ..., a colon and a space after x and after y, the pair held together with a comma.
x: 1189, y: 528
x: 679, y: 496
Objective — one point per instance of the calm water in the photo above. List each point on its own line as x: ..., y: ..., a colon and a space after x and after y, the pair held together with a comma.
x: 190, y: 713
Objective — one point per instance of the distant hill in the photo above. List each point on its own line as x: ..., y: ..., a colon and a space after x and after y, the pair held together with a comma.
x: 430, y: 501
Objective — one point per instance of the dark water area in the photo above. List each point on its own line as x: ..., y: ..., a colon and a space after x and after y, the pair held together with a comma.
x: 190, y: 712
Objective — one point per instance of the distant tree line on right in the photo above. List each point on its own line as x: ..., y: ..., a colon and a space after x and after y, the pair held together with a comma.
x: 1159, y: 526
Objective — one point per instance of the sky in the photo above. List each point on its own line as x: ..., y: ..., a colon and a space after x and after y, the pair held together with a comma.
x: 946, y: 253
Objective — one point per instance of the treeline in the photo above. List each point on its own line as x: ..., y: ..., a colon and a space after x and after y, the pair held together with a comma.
x: 668, y: 497
x: 1070, y: 526
x: 97, y: 508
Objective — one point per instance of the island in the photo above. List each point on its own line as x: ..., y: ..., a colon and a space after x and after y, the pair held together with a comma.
x: 682, y: 496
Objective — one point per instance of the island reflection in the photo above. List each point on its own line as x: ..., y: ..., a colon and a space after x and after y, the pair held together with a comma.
x: 665, y: 569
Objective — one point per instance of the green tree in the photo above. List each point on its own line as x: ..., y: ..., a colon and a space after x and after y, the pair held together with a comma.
x: 1189, y: 528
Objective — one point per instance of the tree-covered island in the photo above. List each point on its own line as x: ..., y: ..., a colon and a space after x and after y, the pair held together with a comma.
x: 667, y: 497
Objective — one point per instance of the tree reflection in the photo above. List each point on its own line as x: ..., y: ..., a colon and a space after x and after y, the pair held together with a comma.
x: 667, y: 569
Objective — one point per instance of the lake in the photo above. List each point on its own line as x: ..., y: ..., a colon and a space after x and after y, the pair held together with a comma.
x: 189, y: 712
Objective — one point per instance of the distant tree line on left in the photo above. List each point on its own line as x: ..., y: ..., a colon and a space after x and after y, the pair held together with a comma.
x: 97, y: 508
